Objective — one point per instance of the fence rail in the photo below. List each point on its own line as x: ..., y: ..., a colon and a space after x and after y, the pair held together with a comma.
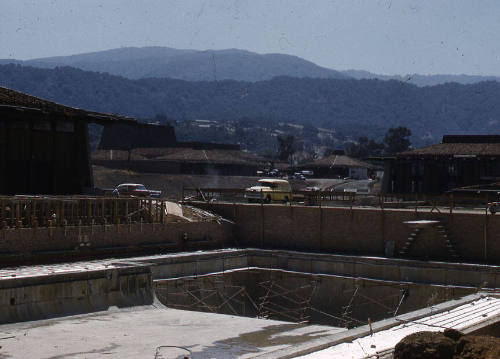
x: 235, y: 194
x: 440, y: 202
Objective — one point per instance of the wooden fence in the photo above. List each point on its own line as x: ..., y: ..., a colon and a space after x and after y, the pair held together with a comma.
x: 33, y: 211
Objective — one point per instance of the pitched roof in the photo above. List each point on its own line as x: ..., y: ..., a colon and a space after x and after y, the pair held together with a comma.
x: 337, y: 161
x: 183, y: 154
x: 459, y: 145
x: 478, y: 188
x: 455, y: 149
x: 18, y: 100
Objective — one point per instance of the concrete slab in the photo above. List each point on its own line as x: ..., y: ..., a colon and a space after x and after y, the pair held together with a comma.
x: 142, y: 331
x: 381, y: 343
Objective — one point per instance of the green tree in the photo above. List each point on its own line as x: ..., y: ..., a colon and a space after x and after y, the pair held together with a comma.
x: 397, y: 139
x: 365, y: 148
x: 286, y: 147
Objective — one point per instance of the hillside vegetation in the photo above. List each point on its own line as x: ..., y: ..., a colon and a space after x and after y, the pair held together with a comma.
x: 351, y: 107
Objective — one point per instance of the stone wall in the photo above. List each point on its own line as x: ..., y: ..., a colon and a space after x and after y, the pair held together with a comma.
x: 18, y: 245
x: 474, y: 236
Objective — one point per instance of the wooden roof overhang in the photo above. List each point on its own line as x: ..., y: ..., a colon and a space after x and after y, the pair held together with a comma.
x: 13, y: 102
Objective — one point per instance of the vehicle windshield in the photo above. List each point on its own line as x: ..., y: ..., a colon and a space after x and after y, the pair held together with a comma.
x: 268, y: 184
x: 140, y: 187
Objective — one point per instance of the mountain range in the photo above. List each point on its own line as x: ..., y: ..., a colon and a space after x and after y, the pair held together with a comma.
x: 190, y: 65
x: 216, y: 65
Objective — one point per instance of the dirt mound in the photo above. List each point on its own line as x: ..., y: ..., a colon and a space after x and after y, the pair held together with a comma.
x: 449, y: 344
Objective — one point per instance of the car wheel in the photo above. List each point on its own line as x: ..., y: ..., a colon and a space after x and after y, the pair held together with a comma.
x: 493, y: 209
x: 268, y: 199
x: 286, y: 199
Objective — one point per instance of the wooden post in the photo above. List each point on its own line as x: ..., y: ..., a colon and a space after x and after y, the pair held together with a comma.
x: 382, y: 228
x: 2, y: 210
x: 48, y: 214
x: 89, y: 211
x: 51, y: 230
x: 320, y: 227
x: 79, y: 229
x: 18, y: 212
x: 102, y: 210
x: 12, y: 215
x: 27, y: 212
x: 58, y: 212
x: 34, y: 209
x: 115, y: 214
x: 162, y: 211
x: 35, y: 228
x: 63, y: 219
x: 78, y: 210
x: 485, y: 235
x: 262, y: 225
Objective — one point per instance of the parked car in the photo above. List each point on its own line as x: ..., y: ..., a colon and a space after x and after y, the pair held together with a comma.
x: 134, y: 190
x: 298, y: 176
x: 269, y: 190
x: 312, y: 189
x: 493, y: 207
x: 274, y: 173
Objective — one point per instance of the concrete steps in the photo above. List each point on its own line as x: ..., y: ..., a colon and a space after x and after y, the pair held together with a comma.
x: 443, y: 232
x: 411, y: 239
x: 448, y: 239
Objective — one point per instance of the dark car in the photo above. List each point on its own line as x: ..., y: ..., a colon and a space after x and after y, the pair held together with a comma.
x: 134, y: 190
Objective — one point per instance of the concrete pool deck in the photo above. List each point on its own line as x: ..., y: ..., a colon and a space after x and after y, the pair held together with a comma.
x: 139, y: 332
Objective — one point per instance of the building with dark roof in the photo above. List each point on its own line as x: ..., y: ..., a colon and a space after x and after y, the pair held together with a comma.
x: 151, y: 148
x: 186, y: 158
x: 122, y: 136
x: 458, y: 161
x: 44, y: 146
x: 338, y: 165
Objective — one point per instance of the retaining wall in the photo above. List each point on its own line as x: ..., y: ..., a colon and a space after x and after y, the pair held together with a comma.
x: 373, y: 268
x: 47, y: 296
x: 25, y: 244
x: 365, y: 298
x: 361, y: 231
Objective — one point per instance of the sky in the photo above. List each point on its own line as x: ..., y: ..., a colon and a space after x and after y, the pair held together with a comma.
x: 380, y: 36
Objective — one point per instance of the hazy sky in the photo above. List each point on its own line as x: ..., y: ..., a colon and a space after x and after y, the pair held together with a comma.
x: 382, y: 36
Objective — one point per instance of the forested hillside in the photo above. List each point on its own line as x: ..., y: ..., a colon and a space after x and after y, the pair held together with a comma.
x: 352, y: 107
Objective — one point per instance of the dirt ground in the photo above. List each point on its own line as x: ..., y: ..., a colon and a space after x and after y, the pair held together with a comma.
x: 449, y: 344
x: 169, y: 184
x: 172, y: 185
